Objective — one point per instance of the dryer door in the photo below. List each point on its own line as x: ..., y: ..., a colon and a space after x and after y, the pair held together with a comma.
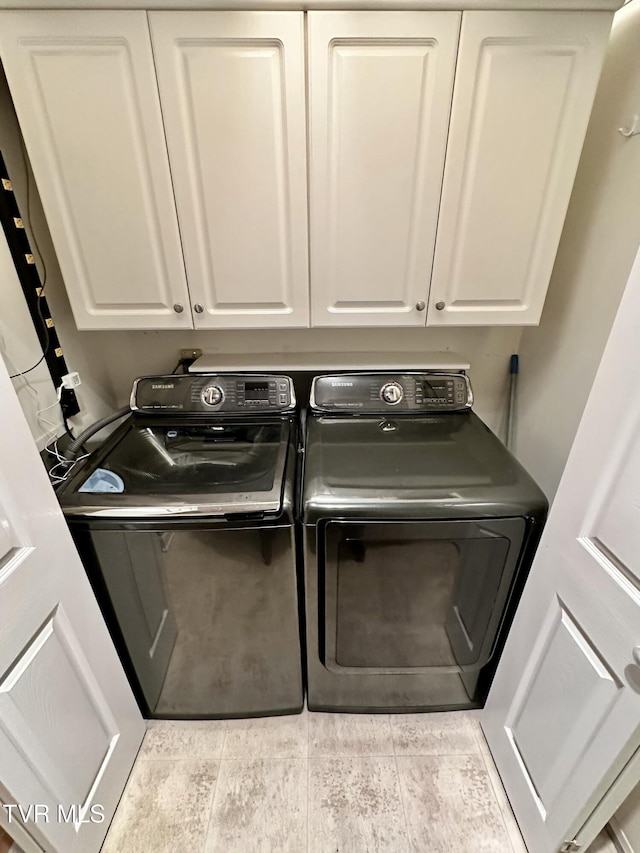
x: 417, y: 597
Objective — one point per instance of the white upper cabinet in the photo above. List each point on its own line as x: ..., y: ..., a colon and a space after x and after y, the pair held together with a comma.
x: 525, y: 84
x: 187, y: 132
x: 380, y: 88
x: 85, y: 91
x: 232, y: 91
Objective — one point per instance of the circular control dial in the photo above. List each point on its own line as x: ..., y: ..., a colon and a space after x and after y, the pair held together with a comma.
x: 392, y: 393
x: 212, y: 395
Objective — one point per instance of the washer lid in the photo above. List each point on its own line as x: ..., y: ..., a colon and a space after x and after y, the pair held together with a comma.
x: 438, y: 466
x: 183, y: 468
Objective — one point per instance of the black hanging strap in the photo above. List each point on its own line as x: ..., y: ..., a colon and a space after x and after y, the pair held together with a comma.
x: 24, y: 261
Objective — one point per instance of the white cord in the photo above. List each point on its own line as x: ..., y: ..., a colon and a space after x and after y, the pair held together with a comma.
x: 63, y: 461
x: 53, y: 427
x: 55, y: 452
x: 71, y: 463
x: 60, y: 478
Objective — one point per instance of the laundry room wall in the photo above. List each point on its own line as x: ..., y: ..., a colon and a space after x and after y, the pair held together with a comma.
x: 18, y: 342
x: 560, y: 357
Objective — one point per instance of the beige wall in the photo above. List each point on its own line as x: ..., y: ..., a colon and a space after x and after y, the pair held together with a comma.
x: 559, y: 358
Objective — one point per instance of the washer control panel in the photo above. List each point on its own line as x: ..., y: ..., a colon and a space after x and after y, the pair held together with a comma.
x: 202, y: 393
x: 372, y: 393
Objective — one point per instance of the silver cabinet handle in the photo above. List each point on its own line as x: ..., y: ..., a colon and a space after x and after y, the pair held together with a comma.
x: 198, y: 308
x: 439, y: 306
x: 420, y: 306
x: 178, y: 308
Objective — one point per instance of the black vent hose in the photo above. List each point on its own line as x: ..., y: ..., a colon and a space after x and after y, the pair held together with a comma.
x: 72, y: 450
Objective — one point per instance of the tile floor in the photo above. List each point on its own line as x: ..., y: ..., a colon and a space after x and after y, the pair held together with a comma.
x: 323, y: 783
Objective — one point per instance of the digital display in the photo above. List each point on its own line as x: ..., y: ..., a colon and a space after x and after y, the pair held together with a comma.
x: 256, y: 390
x: 437, y: 388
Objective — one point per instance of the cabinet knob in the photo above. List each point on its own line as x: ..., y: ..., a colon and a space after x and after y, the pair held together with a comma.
x: 198, y: 308
x: 439, y: 306
x: 635, y: 654
x: 420, y: 306
x: 178, y: 308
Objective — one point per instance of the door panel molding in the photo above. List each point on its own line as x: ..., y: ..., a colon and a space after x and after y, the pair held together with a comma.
x: 29, y: 685
x: 593, y: 685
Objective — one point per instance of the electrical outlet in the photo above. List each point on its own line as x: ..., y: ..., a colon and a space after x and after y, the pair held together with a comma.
x: 69, y: 402
x: 190, y: 353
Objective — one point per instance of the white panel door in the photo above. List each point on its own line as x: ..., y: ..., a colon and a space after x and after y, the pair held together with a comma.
x: 563, y: 714
x: 525, y: 84
x: 232, y: 92
x: 85, y: 92
x: 379, y: 100
x: 69, y: 725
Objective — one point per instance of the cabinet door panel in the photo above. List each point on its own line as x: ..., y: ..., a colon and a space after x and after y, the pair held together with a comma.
x: 380, y: 95
x: 85, y: 92
x: 232, y: 92
x: 525, y: 83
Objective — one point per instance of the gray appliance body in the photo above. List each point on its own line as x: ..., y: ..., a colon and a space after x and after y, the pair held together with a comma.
x: 194, y: 561
x: 419, y: 529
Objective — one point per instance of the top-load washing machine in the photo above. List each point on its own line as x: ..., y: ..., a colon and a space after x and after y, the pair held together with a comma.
x: 419, y: 530
x: 184, y: 521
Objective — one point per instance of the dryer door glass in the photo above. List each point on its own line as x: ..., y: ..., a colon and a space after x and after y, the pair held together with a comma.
x: 417, y: 596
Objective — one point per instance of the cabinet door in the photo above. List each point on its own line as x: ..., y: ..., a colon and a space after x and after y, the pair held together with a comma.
x: 525, y: 83
x: 380, y: 94
x: 232, y: 92
x: 85, y: 92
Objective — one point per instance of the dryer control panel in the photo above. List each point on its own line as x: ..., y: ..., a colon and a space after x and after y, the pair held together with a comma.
x: 212, y: 393
x: 372, y: 393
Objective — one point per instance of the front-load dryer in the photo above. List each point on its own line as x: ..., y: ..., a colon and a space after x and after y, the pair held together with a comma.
x: 419, y: 530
